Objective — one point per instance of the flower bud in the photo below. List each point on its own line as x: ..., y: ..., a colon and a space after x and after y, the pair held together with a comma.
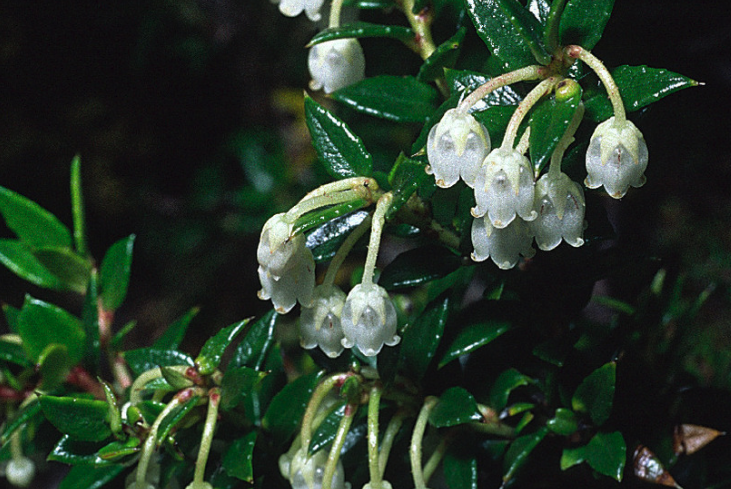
x: 560, y: 206
x: 456, y: 148
x: 277, y: 245
x: 320, y: 323
x: 369, y: 319
x: 504, y: 246
x: 292, y: 8
x: 20, y: 471
x: 504, y: 187
x: 336, y: 64
x: 616, y: 158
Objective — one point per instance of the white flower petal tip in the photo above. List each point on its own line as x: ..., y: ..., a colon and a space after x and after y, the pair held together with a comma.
x: 320, y: 324
x: 369, y: 320
x: 504, y: 246
x: 305, y: 472
x: 292, y: 8
x: 456, y: 148
x: 336, y: 64
x: 617, y: 157
x: 560, y: 207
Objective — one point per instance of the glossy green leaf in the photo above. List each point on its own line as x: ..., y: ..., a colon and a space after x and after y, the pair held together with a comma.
x: 548, y: 123
x: 54, y: 366
x: 175, y: 417
x: 360, y: 30
x: 595, y: 394
x: 114, y: 273
x: 639, y: 86
x: 519, y: 452
x: 13, y: 352
x: 71, y: 269
x: 502, y: 38
x: 421, y: 339
x: 327, y: 238
x: 41, y: 324
x: 472, y: 337
x: 144, y: 359
x: 74, y: 452
x: 445, y: 56
x: 212, y: 352
x: 564, y: 422
x: 460, y: 469
x: 339, y: 149
x: 253, y: 349
x: 407, y: 176
x: 528, y: 27
x: 419, y: 266
x: 20, y: 260
x: 395, y: 98
x: 539, y: 9
x: 467, y: 81
x: 456, y: 406
x: 149, y: 410
x: 90, y: 322
x: 238, y: 459
x: 496, y: 119
x: 81, y: 419
x: 174, y: 334
x: 606, y: 453
x: 116, y: 343
x: 119, y: 449
x: 33, y: 224
x: 237, y: 383
x: 318, y: 218
x: 288, y: 406
x: 326, y: 431
x: 24, y: 417
x: 82, y: 477
x: 583, y: 22
x: 505, y: 383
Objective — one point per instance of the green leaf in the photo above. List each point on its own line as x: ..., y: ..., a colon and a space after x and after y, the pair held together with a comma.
x: 90, y: 322
x: 41, y: 324
x: 71, y: 269
x: 74, y: 452
x: 548, y: 124
x: 505, y: 383
x: 83, y: 477
x: 81, y: 419
x: 519, y: 452
x: 253, y: 349
x: 540, y: 9
x: 318, y: 218
x: 421, y: 339
x: 460, y: 470
x: 639, y: 86
x: 119, y: 449
x: 34, y: 225
x: 445, y: 56
x: 472, y: 337
x: 528, y: 27
x: 595, y: 394
x: 496, y: 119
x: 54, y: 366
x: 467, y: 81
x: 288, y: 406
x: 13, y: 352
x: 583, y: 22
x: 395, y: 98
x: 212, y: 352
x: 504, y: 40
x: 174, y: 334
x: 456, y: 406
x: 419, y: 266
x: 339, y: 149
x: 12, y: 314
x: 20, y: 260
x: 174, y: 379
x: 77, y: 208
x: 114, y: 273
x: 237, y: 383
x: 564, y: 422
x: 327, y: 238
x: 237, y: 461
x: 606, y: 453
x: 325, y: 433
x: 24, y: 417
x: 144, y: 359
x: 406, y: 177
x: 360, y: 30
x: 175, y: 417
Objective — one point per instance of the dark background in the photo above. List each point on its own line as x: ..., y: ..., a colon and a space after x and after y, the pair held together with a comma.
x: 169, y: 103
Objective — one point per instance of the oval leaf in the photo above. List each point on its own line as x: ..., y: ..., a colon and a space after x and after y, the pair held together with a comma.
x: 339, y: 149
x: 473, y: 337
x: 595, y: 395
x: 31, y: 223
x: 41, y: 324
x: 237, y: 462
x: 507, y: 381
x: 421, y: 339
x: 253, y: 349
x: 445, y: 56
x: 519, y: 452
x: 114, y: 273
x: 288, y: 406
x: 583, y: 22
x: 210, y: 356
x: 455, y: 406
x: 419, y: 266
x: 327, y: 238
x: 528, y: 27
x: 363, y: 29
x: 20, y: 260
x: 72, y: 270
x: 325, y: 433
x: 81, y: 419
x: 144, y: 359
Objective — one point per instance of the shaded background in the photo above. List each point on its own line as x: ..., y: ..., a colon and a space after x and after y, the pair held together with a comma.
x: 187, y: 115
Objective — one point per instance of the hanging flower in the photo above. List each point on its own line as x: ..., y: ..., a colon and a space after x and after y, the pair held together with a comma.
x: 456, y: 148
x: 369, y: 319
x: 305, y: 472
x: 336, y: 64
x: 504, y: 188
x: 20, y: 471
x: 617, y: 157
x: 320, y: 323
x: 292, y: 8
x: 503, y: 245
x: 560, y: 206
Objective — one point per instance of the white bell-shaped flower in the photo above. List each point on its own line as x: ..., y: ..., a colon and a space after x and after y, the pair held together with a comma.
x: 617, y: 157
x: 20, y: 471
x: 320, y: 323
x: 277, y: 245
x: 292, y: 8
x: 504, y: 187
x: 305, y: 472
x: 456, y: 148
x: 560, y: 205
x: 369, y: 319
x: 504, y: 246
x: 297, y: 284
x: 336, y: 64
